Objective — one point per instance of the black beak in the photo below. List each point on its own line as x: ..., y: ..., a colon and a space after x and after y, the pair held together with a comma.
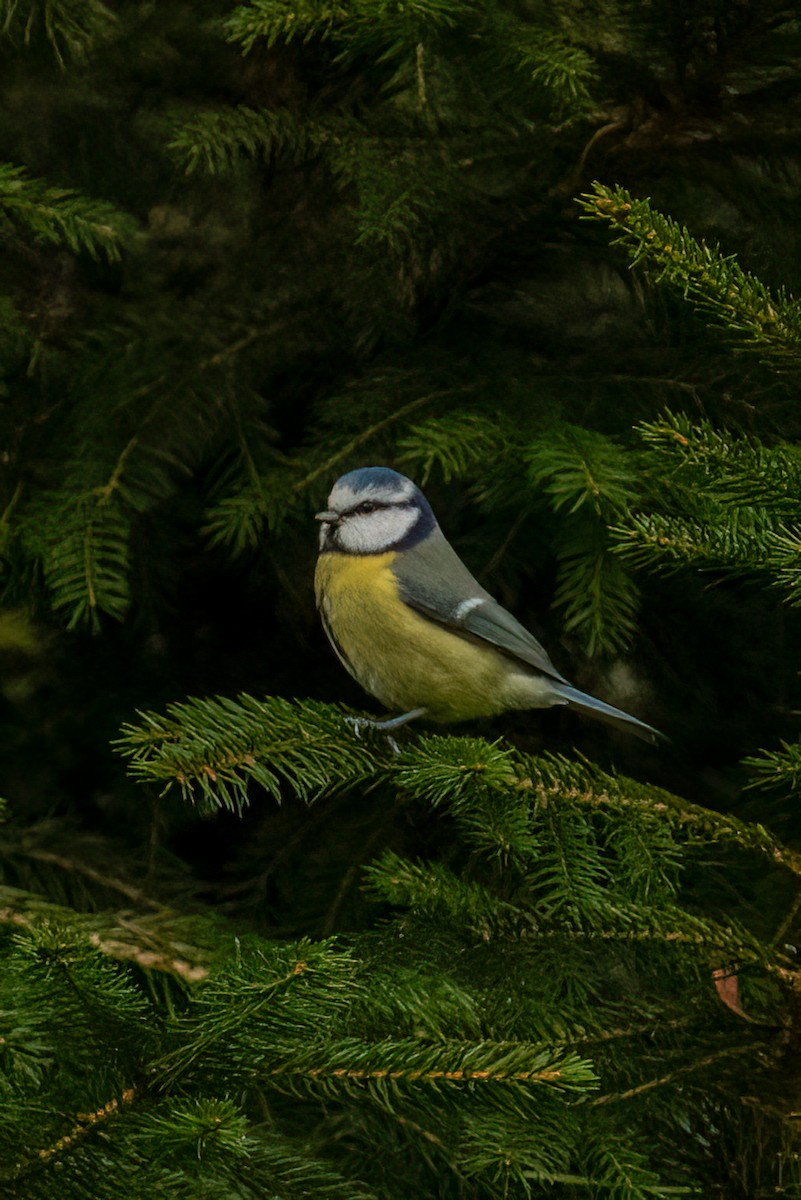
x: 331, y: 518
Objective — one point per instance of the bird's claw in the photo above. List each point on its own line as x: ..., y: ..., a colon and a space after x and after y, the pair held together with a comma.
x: 357, y: 724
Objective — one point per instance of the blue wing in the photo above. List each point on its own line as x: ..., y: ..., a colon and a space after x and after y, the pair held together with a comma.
x: 434, y: 581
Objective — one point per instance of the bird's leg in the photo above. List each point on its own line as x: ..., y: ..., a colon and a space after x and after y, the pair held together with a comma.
x: 360, y: 723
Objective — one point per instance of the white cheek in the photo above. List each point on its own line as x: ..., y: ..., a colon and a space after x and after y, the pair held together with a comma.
x: 370, y: 533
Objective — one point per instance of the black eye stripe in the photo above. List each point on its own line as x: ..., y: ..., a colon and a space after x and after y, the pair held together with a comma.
x: 368, y: 506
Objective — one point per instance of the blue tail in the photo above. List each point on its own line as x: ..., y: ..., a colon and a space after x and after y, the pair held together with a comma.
x: 610, y: 714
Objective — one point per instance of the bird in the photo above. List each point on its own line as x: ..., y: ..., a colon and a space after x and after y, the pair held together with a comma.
x: 414, y: 628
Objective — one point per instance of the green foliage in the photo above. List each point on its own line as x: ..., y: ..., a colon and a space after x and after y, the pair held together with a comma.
x: 456, y: 445
x: 715, y: 283
x: 83, y: 549
x: 213, y: 141
x: 191, y: 746
x: 778, y: 770
x: 433, y: 890
x: 592, y: 482
x: 411, y: 1027
x: 132, y: 453
x: 719, y: 501
x: 257, y: 1026
x: 248, y: 248
x: 480, y: 785
x: 578, y: 467
x: 273, y: 19
x: 73, y: 29
x: 566, y: 71
x: 61, y: 216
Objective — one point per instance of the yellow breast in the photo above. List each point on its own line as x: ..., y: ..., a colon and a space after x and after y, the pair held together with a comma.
x: 400, y: 657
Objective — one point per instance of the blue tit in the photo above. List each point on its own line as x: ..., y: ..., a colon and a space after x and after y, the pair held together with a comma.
x: 412, y: 625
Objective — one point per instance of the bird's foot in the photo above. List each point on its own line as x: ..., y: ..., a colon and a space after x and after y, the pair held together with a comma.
x: 360, y: 723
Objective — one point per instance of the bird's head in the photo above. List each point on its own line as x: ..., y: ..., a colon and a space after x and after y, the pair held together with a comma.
x: 372, y: 510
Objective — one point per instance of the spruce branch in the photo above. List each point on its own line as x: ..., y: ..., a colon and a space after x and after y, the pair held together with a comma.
x: 215, y: 141
x: 579, y: 468
x: 257, y: 1010
x: 391, y: 215
x: 667, y: 543
x: 647, y: 855
x: 555, y: 905
x: 621, y: 1172
x: 85, y: 1124
x: 166, y: 941
x: 214, y: 1131
x: 713, y: 282
x: 723, y: 501
x: 239, y: 521
x: 82, y: 542
x: 347, y: 450
x: 96, y: 985
x: 211, y: 1136
x: 756, y: 1049
x: 160, y: 410
x: 261, y: 497
x: 185, y: 1143
x: 569, y: 880
x: 271, y: 20
x: 596, y: 591
x: 274, y: 20
x: 410, y: 998
x: 457, y: 771
x: 725, y: 480
x: 74, y: 1014
x: 478, y: 783
x: 590, y: 483
x: 438, y: 1063
x: 777, y: 770
x: 104, y: 879
x: 430, y: 888
x: 566, y: 71
x: 734, y: 468
x: 455, y: 445
x: 61, y: 216
x: 73, y: 28
x: 212, y: 749
x: 555, y: 778
x: 498, y: 1156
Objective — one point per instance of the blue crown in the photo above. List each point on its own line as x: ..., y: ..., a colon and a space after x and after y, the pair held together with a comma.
x: 365, y: 477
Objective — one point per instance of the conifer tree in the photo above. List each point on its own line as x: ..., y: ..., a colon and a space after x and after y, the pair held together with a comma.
x: 249, y: 247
